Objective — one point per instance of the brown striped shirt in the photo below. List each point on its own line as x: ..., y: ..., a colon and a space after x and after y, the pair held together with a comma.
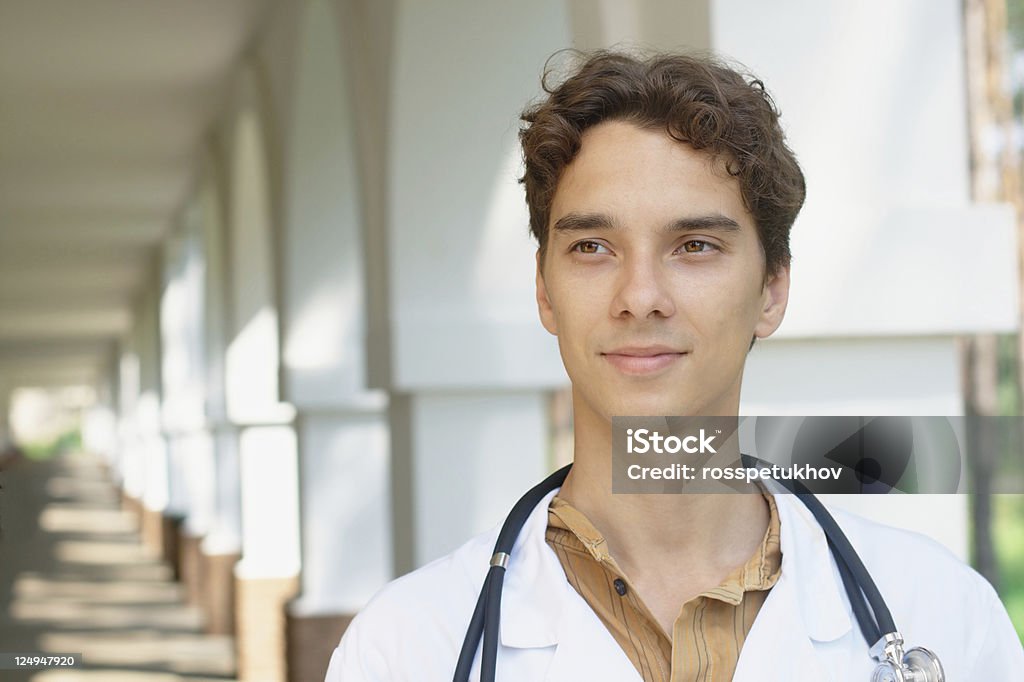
x: 710, y: 630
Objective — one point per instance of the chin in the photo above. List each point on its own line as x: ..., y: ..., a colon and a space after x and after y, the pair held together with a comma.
x: 655, y: 407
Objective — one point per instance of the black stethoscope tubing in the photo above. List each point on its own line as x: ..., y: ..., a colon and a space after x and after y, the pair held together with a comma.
x: 487, y: 613
x: 869, y: 608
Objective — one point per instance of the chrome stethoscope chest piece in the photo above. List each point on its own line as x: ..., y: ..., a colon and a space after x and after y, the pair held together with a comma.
x: 888, y: 672
x: 923, y: 665
x: 916, y: 665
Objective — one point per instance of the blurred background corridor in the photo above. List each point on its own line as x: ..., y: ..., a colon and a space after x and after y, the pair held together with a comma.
x: 268, y: 336
x: 80, y: 580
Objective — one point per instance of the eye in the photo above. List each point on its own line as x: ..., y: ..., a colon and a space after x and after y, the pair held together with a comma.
x: 588, y: 247
x: 697, y: 246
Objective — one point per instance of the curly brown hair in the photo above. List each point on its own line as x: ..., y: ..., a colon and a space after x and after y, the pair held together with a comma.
x: 698, y: 100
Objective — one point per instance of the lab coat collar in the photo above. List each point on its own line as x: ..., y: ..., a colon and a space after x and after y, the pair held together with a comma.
x: 541, y: 609
x: 807, y: 565
x: 534, y: 588
x: 536, y: 597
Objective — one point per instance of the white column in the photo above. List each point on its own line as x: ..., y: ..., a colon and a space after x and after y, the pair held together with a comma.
x: 267, y: 574
x: 266, y: 437
x: 224, y: 534
x: 468, y: 350
x: 224, y: 529
x: 131, y: 462
x: 183, y: 317
x: 99, y: 423
x: 268, y: 468
x: 174, y: 367
x: 156, y: 493
x: 341, y: 423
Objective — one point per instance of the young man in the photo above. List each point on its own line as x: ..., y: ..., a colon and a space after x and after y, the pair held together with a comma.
x: 661, y: 193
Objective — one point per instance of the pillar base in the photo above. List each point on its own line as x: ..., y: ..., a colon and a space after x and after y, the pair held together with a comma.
x: 260, y: 625
x: 171, y: 550
x: 217, y: 597
x: 133, y: 506
x: 152, y: 526
x: 160, y: 538
x: 311, y: 640
x: 190, y: 565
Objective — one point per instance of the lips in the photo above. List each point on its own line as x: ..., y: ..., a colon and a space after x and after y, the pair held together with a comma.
x: 640, y: 360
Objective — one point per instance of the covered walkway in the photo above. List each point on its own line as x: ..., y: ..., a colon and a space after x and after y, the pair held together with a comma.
x: 75, y: 578
x: 279, y: 253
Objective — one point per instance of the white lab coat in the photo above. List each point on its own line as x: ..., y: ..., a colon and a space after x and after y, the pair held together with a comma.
x: 413, y: 629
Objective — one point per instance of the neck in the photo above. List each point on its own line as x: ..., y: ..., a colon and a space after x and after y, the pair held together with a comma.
x: 655, y: 534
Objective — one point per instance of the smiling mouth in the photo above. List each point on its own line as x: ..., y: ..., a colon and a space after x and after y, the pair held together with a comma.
x: 638, y: 363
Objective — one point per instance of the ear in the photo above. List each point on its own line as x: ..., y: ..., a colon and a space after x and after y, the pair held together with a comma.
x: 774, y: 298
x: 547, y: 313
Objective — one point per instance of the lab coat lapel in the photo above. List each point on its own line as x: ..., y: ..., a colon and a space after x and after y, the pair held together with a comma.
x: 778, y: 646
x: 531, y: 613
x: 541, y: 610
x: 586, y: 650
x: 806, y: 606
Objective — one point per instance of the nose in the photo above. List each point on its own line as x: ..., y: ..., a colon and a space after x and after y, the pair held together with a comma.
x: 642, y: 290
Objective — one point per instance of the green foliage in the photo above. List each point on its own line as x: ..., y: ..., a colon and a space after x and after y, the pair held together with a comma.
x: 1015, y: 23
x: 1008, y: 510
x: 66, y: 442
x: 1015, y: 45
x: 1009, y: 390
x: 1009, y: 538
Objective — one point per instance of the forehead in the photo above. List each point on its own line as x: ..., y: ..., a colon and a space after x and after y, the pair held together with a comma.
x: 645, y: 174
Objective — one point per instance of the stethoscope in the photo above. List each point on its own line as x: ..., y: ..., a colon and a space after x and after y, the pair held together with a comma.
x: 894, y: 665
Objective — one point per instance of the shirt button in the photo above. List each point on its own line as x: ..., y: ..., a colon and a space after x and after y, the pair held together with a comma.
x: 620, y: 587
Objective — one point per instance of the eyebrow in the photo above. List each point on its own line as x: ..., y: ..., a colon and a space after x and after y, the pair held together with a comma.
x: 599, y: 221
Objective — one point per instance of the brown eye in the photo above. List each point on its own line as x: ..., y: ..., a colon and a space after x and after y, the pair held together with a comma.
x: 694, y: 246
x: 587, y: 247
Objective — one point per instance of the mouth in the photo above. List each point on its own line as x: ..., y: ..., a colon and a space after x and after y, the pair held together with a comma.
x: 638, y: 361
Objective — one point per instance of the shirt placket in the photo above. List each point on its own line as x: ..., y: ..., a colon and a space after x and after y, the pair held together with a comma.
x: 655, y: 639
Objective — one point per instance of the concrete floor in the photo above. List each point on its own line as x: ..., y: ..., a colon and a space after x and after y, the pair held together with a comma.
x: 74, y: 578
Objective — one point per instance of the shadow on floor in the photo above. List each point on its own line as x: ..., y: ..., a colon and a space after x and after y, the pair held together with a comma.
x: 74, y: 578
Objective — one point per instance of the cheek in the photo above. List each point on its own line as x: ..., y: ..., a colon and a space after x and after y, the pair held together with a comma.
x: 576, y: 308
x: 571, y: 315
x: 731, y: 316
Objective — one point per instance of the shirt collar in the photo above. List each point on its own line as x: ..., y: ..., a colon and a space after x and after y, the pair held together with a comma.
x: 760, y: 572
x: 536, y: 588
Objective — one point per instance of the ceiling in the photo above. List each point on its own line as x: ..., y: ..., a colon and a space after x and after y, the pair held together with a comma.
x: 103, y: 107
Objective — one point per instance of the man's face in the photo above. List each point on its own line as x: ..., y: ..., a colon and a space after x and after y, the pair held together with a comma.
x: 654, y: 277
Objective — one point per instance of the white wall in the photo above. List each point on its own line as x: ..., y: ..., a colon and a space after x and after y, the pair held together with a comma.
x: 461, y: 286
x: 890, y: 258
x: 873, y: 100
x: 888, y: 375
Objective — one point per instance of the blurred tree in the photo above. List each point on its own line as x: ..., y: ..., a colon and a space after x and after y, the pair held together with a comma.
x: 1012, y: 350
x: 995, y: 177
